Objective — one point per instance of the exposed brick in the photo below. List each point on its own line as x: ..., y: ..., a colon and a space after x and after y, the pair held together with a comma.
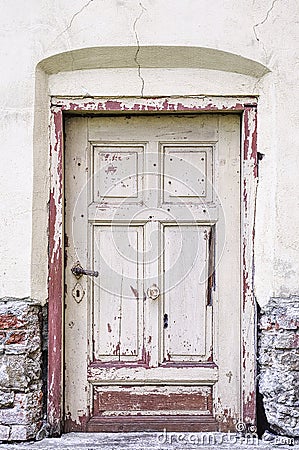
x: 282, y: 313
x: 16, y: 314
x: 17, y: 337
x: 19, y: 342
x: 8, y: 321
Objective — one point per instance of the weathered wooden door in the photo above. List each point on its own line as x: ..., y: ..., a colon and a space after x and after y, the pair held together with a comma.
x: 153, y: 206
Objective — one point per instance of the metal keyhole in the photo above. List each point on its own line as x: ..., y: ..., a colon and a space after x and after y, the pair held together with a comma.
x: 78, y: 292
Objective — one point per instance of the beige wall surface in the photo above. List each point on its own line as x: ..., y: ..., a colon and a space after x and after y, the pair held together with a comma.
x: 150, y: 48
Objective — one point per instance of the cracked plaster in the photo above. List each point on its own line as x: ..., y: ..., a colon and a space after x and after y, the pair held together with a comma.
x: 262, y: 22
x: 143, y: 9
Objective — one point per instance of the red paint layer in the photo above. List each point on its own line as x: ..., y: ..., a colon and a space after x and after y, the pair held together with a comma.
x: 249, y: 408
x: 145, y: 104
x: 113, y: 105
x: 125, y: 400
x: 55, y: 293
x: 246, y: 133
x: 254, y: 147
x: 71, y: 425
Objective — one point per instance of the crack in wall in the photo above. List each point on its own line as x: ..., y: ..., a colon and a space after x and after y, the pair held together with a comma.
x: 73, y: 18
x: 138, y: 47
x: 262, y: 22
x: 69, y: 26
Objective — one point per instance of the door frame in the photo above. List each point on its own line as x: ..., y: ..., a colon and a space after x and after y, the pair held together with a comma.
x: 246, y: 107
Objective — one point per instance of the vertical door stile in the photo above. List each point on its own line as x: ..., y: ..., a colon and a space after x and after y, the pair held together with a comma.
x: 151, y: 254
x: 76, y: 250
x: 152, y: 307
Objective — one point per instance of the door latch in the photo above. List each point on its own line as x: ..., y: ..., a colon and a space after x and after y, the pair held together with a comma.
x: 78, y: 271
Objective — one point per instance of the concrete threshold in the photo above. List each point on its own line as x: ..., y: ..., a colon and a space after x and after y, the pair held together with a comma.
x: 155, y: 441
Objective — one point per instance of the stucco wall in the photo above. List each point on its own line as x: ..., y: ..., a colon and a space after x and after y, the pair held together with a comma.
x: 160, y: 47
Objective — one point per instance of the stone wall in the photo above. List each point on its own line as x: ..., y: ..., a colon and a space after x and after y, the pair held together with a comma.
x: 278, y: 358
x: 20, y: 369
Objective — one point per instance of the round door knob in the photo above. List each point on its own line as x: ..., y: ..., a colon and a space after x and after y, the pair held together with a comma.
x: 153, y: 292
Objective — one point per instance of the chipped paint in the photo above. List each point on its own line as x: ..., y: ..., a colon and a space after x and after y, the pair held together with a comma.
x: 55, y: 273
x: 249, y: 408
x: 56, y: 180
x: 151, y: 399
x: 71, y: 425
x: 186, y: 104
x: 146, y: 357
x: 148, y: 406
x: 249, y: 170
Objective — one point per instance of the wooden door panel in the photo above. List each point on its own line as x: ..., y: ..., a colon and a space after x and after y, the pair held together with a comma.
x: 188, y: 173
x: 117, y: 171
x: 152, y: 400
x: 185, y: 299
x: 117, y: 306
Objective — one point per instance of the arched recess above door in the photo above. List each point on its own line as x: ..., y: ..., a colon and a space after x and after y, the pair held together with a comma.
x: 152, y: 57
